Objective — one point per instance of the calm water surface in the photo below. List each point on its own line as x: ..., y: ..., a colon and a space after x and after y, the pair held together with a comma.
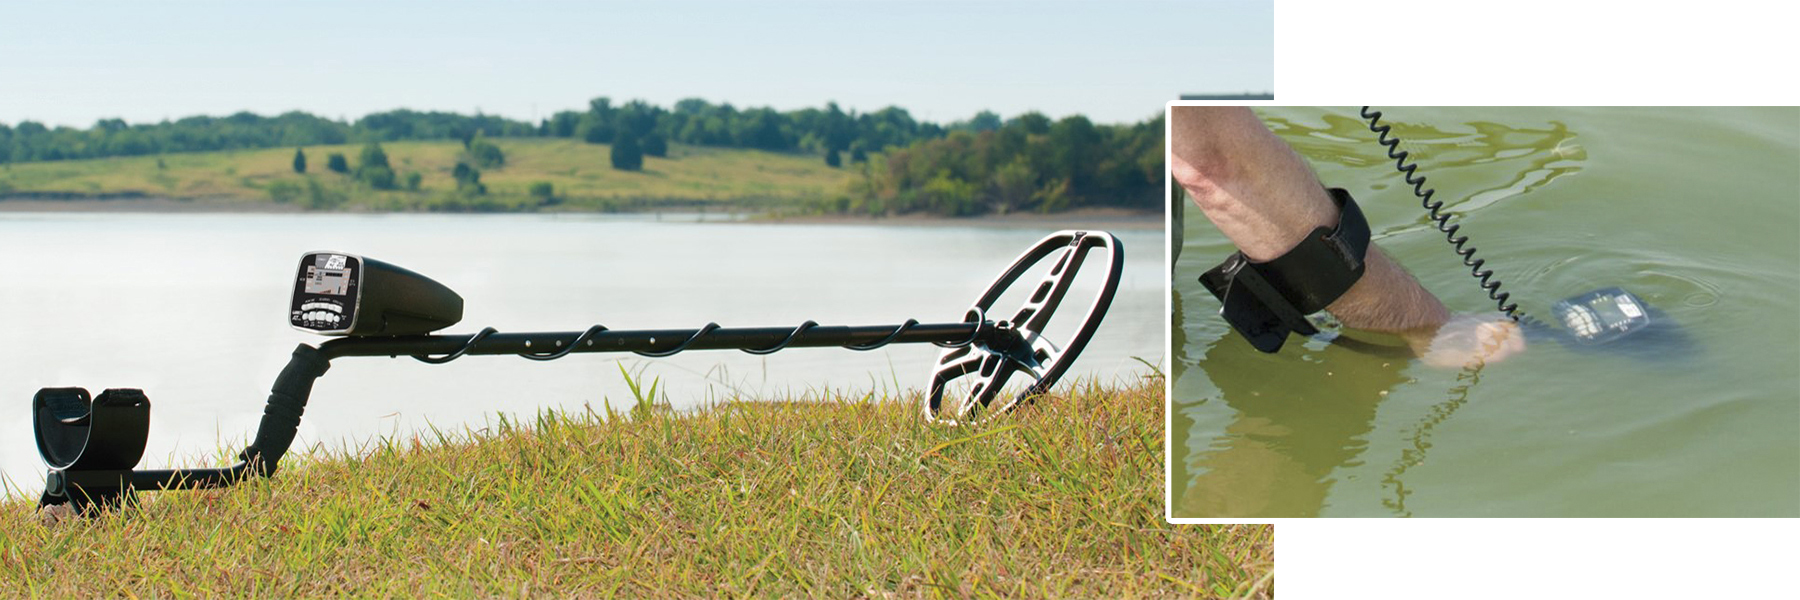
x: 1697, y: 211
x: 192, y: 309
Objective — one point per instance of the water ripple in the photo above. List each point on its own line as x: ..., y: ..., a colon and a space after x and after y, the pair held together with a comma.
x: 1473, y: 169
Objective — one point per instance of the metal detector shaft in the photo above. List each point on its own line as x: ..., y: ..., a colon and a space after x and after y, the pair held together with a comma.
x: 655, y: 341
x: 92, y: 442
x: 287, y: 401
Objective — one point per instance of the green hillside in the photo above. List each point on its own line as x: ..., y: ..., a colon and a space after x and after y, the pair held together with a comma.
x: 580, y: 175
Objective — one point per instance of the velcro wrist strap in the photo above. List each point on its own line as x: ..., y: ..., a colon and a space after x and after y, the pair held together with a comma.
x: 1266, y: 301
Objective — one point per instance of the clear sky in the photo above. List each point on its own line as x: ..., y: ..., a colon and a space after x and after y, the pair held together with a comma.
x: 1117, y: 61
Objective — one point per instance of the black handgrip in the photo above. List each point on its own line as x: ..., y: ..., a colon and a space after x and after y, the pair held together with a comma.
x: 287, y: 402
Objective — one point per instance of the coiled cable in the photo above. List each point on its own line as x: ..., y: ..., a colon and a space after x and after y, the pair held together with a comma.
x: 474, y: 339
x: 974, y: 316
x: 809, y: 324
x: 705, y: 329
x: 1434, y: 209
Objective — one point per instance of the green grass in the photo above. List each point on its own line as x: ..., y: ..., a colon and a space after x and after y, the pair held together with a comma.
x: 581, y: 174
x: 827, y: 496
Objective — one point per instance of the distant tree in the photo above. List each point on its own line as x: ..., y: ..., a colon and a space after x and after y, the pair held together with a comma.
x: 838, y: 128
x: 763, y: 128
x: 483, y: 153
x: 656, y: 145
x: 413, y: 178
x: 1033, y: 122
x: 1075, y: 150
x: 563, y: 124
x: 601, y: 107
x: 858, y: 156
x: 1014, y: 184
x: 1053, y: 196
x: 595, y: 131
x: 336, y: 163
x: 299, y: 161
x: 372, y: 167
x: 372, y: 156
x: 627, y: 155
x: 597, y: 125
x: 543, y: 191
x: 381, y: 178
x: 832, y: 159
x: 982, y: 121
x: 948, y: 196
x: 468, y: 180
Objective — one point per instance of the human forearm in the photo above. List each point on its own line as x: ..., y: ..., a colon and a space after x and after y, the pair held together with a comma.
x: 1265, y: 198
x: 1388, y: 299
x: 1247, y: 181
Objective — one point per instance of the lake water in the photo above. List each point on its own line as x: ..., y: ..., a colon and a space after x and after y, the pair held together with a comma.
x: 1697, y: 211
x: 193, y: 309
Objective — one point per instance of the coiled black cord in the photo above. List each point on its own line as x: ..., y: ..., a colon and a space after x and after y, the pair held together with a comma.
x: 474, y: 339
x: 974, y: 316
x: 896, y: 335
x: 1433, y: 209
x: 705, y: 329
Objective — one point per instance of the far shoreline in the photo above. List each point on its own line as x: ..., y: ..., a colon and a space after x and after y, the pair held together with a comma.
x: 1081, y: 218
x: 141, y: 204
x: 1113, y: 218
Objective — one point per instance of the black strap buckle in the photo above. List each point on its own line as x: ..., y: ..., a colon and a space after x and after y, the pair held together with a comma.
x: 1266, y: 301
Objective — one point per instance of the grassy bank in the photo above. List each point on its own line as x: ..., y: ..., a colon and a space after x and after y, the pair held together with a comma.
x: 580, y: 174
x: 834, y: 496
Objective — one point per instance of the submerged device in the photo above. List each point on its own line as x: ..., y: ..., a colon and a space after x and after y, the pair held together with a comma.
x: 1602, y: 315
x: 1265, y: 302
x: 91, y: 444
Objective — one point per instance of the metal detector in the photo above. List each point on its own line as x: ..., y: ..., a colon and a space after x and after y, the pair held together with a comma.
x: 91, y: 444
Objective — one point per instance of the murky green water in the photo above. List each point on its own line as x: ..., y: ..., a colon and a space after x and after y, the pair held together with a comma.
x: 1695, y: 210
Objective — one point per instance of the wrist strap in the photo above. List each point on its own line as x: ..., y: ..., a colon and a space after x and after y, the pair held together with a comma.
x: 1266, y: 301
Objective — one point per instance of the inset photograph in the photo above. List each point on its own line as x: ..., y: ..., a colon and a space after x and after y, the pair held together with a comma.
x: 1472, y: 312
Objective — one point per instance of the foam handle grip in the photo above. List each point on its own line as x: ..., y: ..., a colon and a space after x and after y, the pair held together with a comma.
x: 287, y: 402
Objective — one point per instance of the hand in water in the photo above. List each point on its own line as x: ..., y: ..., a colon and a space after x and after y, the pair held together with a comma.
x: 1467, y: 339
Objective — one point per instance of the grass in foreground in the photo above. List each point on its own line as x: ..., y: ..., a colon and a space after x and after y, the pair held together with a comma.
x: 836, y: 497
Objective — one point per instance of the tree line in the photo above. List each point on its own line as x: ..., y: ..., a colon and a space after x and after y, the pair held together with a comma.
x: 31, y: 141
x: 980, y: 165
x: 700, y: 123
x: 1026, y: 163
x: 692, y: 121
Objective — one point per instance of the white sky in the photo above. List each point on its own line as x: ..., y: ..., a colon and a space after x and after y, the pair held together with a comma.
x: 69, y: 64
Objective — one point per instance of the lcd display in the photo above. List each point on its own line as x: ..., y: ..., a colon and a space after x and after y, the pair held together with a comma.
x: 325, y: 293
